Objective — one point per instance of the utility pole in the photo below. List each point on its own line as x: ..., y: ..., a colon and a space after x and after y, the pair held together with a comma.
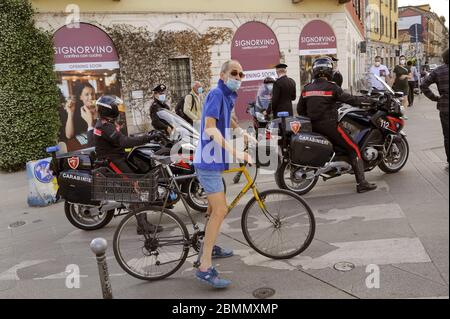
x: 417, y: 54
x: 367, y: 34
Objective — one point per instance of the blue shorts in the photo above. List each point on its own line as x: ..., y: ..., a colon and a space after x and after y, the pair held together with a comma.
x: 211, y: 181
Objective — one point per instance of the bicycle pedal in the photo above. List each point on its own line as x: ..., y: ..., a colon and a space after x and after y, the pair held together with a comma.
x: 196, y: 264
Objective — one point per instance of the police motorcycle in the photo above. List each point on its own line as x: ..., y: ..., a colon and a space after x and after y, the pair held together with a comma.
x: 377, y: 130
x: 74, y: 174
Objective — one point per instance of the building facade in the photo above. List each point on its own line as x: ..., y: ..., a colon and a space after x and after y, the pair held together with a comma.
x: 296, y: 26
x: 432, y: 34
x: 381, y: 32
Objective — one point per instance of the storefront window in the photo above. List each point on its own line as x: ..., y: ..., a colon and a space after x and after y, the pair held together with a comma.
x: 306, y: 68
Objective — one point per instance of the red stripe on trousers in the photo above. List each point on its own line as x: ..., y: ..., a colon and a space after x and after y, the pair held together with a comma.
x: 349, y: 142
x: 115, y: 168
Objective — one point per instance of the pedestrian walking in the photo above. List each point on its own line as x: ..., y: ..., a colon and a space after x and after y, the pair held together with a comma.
x: 380, y: 70
x: 159, y: 103
x: 412, y: 82
x: 283, y: 94
x: 439, y: 76
x: 190, y: 106
x: 402, y: 75
x: 337, y: 76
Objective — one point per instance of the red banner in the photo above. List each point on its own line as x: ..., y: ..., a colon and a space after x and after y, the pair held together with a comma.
x: 256, y: 47
x: 317, y: 38
x: 87, y: 66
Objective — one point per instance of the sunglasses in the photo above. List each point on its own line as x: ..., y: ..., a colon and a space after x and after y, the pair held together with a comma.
x: 236, y: 73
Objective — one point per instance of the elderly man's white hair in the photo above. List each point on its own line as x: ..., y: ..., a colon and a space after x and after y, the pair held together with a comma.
x: 195, y: 83
x: 226, y: 65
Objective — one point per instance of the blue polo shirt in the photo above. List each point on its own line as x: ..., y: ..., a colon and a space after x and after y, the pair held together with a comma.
x: 218, y: 104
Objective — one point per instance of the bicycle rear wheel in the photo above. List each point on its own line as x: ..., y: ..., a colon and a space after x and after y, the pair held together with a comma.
x: 282, y: 228
x: 150, y: 255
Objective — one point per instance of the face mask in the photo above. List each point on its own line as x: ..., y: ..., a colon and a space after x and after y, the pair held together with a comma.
x: 377, y: 64
x: 402, y: 61
x: 162, y: 98
x: 200, y: 90
x: 269, y: 87
x: 233, y: 84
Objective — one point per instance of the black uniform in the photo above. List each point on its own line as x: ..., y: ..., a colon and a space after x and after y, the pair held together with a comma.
x: 319, y: 102
x: 157, y: 123
x: 337, y: 78
x: 110, y: 144
x: 282, y: 96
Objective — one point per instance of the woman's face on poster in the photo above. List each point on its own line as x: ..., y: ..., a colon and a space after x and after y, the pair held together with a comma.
x: 87, y: 96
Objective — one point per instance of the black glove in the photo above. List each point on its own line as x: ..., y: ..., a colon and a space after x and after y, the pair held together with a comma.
x: 369, y: 102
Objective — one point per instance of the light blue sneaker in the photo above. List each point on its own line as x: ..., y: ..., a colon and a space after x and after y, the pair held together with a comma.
x: 219, y: 252
x: 211, y: 277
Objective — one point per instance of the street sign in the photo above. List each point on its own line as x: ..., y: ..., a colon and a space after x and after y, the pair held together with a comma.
x: 415, y: 31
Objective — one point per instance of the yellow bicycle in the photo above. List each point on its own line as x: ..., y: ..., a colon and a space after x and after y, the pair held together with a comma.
x: 276, y: 223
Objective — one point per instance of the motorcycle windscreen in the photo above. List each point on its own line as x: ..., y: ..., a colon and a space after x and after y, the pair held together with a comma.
x: 182, y: 129
x: 370, y: 82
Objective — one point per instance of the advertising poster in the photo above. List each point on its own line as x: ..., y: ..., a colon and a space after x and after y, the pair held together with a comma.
x: 256, y: 47
x: 87, y: 66
x: 316, y: 39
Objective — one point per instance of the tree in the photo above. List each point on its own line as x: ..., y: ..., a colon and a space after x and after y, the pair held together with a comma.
x: 29, y: 118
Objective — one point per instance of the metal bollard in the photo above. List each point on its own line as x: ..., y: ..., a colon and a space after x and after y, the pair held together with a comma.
x: 98, y: 246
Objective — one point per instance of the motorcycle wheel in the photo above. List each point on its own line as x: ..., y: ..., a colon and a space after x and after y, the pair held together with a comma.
x: 285, y: 180
x: 79, y: 218
x: 196, y: 197
x: 397, y: 156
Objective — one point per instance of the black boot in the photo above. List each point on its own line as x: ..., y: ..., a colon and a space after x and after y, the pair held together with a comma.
x: 144, y: 227
x: 362, y: 185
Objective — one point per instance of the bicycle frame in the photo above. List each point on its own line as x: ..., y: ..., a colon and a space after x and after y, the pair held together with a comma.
x: 250, y: 184
x: 174, y: 186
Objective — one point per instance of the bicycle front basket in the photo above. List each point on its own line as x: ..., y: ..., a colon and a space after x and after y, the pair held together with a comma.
x: 127, y: 188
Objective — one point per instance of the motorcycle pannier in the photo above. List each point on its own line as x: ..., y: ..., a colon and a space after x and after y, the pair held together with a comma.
x: 310, y: 149
x: 75, y: 187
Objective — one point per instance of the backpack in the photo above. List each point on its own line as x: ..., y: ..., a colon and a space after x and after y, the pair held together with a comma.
x: 180, y: 106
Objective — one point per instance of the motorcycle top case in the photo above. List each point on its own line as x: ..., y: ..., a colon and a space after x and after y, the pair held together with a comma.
x: 78, y: 160
x: 310, y: 149
x: 75, y: 186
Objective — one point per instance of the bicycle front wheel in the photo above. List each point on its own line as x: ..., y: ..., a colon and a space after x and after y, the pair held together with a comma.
x: 280, y: 226
x: 146, y: 254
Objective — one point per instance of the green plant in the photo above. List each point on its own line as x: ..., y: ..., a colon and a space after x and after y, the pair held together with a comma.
x: 29, y: 119
x: 144, y: 58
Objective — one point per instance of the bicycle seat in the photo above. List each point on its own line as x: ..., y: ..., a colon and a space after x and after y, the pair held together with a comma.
x: 163, y: 159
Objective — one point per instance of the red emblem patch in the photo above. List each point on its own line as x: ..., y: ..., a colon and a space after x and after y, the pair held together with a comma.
x: 295, y: 126
x: 74, y: 162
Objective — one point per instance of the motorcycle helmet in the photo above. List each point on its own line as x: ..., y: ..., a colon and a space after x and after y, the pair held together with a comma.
x: 109, y: 106
x: 323, y: 67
